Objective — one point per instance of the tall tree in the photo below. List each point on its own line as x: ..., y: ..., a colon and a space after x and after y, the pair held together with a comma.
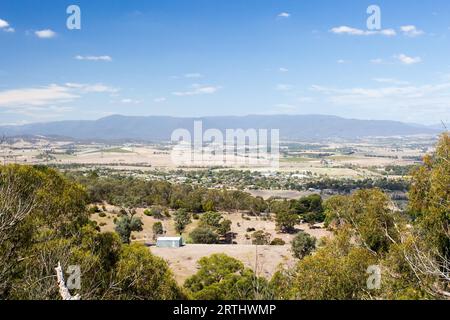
x: 128, y: 223
x: 181, y: 218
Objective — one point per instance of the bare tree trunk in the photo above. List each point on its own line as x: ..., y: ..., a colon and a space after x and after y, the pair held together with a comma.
x: 63, y: 290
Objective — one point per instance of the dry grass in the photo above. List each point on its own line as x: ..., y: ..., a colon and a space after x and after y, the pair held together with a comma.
x: 183, y: 261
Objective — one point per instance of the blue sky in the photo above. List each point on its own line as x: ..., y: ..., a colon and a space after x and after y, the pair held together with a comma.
x: 224, y: 57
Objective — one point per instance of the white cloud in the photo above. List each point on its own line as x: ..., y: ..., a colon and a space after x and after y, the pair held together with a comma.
x: 284, y: 15
x: 197, y: 89
x: 283, y: 69
x: 36, y: 96
x: 94, y: 58
x: 412, y: 102
x: 358, y: 32
x: 305, y: 99
x: 391, y: 81
x: 193, y: 75
x: 342, y: 61
x: 45, y: 34
x: 5, y: 26
x: 411, y: 31
x: 377, y: 61
x: 159, y: 99
x: 403, y: 58
x: 130, y: 101
x: 40, y: 113
x: 46, y: 96
x: 92, y: 88
x: 283, y: 87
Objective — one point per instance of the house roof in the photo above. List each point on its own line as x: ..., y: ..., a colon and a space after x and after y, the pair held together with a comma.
x: 169, y: 238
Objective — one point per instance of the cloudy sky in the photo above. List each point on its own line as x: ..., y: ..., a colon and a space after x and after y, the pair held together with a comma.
x: 224, y: 57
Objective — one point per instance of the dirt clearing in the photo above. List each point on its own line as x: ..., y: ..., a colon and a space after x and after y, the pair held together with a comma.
x: 263, y: 259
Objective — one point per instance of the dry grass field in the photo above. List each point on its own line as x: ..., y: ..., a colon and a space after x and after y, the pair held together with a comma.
x: 239, y: 226
x: 183, y: 261
x: 263, y: 259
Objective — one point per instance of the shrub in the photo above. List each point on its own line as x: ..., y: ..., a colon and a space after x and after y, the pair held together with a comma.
x: 157, y: 229
x: 286, y: 221
x: 302, y: 245
x: 204, y: 235
x: 221, y: 277
x: 154, y: 281
x: 277, y: 242
x: 166, y: 213
x: 261, y: 238
x: 94, y: 209
x: 182, y: 219
x: 157, y: 213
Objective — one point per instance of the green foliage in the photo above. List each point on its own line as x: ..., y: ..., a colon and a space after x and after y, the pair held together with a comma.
x: 157, y: 229
x: 155, y: 212
x: 136, y: 192
x: 216, y: 222
x: 310, y: 209
x: 221, y: 277
x: 55, y: 228
x: 303, y: 245
x: 211, y: 219
x: 202, y: 235
x: 208, y: 206
x: 368, y: 213
x: 94, y: 209
x: 430, y: 198
x: 336, y: 272
x: 261, y: 238
x: 144, y: 277
x: 349, y: 185
x: 224, y: 227
x: 277, y: 242
x: 127, y: 224
x: 286, y: 221
x: 311, y: 203
x: 181, y: 219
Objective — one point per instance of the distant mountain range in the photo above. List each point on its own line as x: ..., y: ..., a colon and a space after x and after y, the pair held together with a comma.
x: 160, y: 128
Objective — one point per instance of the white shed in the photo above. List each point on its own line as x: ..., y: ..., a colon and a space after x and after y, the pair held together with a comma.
x: 169, y: 242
